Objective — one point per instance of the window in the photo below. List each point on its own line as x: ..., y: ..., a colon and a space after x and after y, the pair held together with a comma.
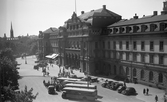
x: 114, y: 45
x: 128, y: 29
x: 108, y: 44
x: 120, y: 70
x: 153, y: 27
x: 162, y: 26
x: 127, y: 70
x: 151, y: 46
x: 161, y: 46
x: 134, y: 72
x: 134, y: 45
x: 142, y: 45
x: 150, y: 76
x: 96, y: 45
x: 120, y: 56
x: 143, y: 58
x: 160, y: 78
x: 134, y: 57
x: 161, y: 59
x: 127, y: 56
x: 103, y: 45
x: 127, y: 45
x: 151, y: 58
x: 135, y: 29
x: 142, y: 74
x: 143, y: 28
x: 120, y: 45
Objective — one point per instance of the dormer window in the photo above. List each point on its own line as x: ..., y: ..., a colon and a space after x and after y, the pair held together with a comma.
x: 135, y: 29
x: 153, y: 27
x: 163, y: 26
x: 143, y: 28
x: 115, y: 30
x: 128, y: 29
x: 121, y: 29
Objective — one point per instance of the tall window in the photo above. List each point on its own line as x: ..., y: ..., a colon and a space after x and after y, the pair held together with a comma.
x: 134, y: 45
x: 161, y: 46
x: 142, y: 74
x: 127, y: 45
x: 134, y: 57
x: 127, y: 70
x: 151, y: 46
x: 150, y: 76
x: 151, y: 58
x: 127, y: 56
x: 120, y: 45
x: 161, y: 59
x: 114, y: 45
x: 96, y: 45
x: 103, y: 45
x: 108, y: 44
x: 160, y: 78
x: 143, y: 58
x: 142, y: 45
x: 134, y: 72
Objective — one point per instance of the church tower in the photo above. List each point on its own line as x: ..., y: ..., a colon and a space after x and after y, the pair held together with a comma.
x: 11, y: 32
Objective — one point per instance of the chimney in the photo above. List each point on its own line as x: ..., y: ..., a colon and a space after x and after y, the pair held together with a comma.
x: 135, y: 17
x: 82, y: 12
x: 104, y: 6
x: 155, y: 13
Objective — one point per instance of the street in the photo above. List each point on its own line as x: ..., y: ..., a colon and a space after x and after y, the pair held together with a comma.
x: 34, y: 79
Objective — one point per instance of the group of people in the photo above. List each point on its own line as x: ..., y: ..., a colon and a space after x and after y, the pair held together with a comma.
x: 145, y: 91
x: 65, y: 72
x: 57, y: 85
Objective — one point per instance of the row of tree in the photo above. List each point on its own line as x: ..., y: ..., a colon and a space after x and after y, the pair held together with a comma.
x: 9, y: 77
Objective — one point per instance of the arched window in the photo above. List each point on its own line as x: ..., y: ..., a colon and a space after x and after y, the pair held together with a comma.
x: 150, y: 75
x: 120, y: 70
x: 127, y: 70
x: 134, y: 72
x: 142, y: 74
x: 160, y: 78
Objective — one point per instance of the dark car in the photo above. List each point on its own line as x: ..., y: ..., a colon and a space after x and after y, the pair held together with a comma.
x: 116, y: 86
x: 113, y: 85
x: 109, y: 84
x: 121, y: 88
x: 104, y: 84
x: 129, y: 91
x: 51, y: 89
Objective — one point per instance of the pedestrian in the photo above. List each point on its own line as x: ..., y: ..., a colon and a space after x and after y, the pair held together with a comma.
x: 156, y: 98
x: 165, y: 98
x: 147, y: 91
x: 144, y: 91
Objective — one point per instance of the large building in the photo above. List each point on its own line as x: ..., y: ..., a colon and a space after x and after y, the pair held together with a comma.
x: 99, y: 42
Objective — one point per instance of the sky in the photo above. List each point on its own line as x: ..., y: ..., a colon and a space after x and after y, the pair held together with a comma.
x: 32, y: 16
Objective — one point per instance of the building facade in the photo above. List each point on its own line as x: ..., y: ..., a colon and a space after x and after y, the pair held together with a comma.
x: 99, y: 42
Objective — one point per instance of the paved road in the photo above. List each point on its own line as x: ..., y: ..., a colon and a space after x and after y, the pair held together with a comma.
x: 33, y: 79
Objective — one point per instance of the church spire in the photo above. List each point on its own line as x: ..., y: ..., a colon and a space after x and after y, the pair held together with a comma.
x: 11, y: 31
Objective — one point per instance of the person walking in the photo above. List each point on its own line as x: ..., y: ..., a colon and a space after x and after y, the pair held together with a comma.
x: 144, y: 91
x: 147, y: 91
x: 156, y: 98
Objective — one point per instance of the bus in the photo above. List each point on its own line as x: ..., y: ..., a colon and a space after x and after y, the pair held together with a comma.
x: 75, y: 82
x: 81, y: 86
x: 69, y: 79
x: 79, y: 93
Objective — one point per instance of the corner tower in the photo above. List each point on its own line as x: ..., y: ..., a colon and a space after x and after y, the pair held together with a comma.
x: 164, y: 8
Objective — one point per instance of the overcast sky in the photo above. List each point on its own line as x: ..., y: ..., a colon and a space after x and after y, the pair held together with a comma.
x: 32, y: 16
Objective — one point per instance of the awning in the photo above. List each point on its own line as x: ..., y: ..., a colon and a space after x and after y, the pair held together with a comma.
x: 53, y: 56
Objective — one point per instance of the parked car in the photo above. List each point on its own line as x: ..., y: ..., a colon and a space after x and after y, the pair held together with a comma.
x: 109, y: 84
x: 51, y: 89
x: 104, y: 84
x: 116, y: 86
x: 129, y: 91
x: 121, y: 88
x: 113, y: 85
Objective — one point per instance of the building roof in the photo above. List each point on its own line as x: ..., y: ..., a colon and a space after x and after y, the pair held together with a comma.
x: 99, y: 12
x: 146, y: 19
x: 51, y: 30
